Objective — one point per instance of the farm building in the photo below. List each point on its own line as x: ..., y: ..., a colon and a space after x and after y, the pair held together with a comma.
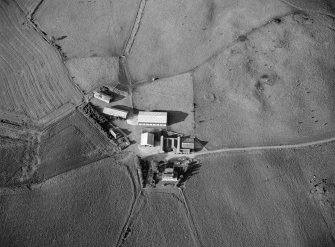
x: 115, y: 112
x: 188, y: 143
x: 103, y: 97
x: 168, y: 176
x: 147, y: 139
x: 152, y: 118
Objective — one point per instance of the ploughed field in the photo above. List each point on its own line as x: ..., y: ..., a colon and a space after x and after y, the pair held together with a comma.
x: 34, y: 81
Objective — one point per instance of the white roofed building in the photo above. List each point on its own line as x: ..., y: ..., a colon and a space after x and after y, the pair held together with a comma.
x: 157, y: 119
x: 147, y: 139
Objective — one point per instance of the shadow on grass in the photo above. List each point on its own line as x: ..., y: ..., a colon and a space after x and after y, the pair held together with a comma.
x: 192, y: 169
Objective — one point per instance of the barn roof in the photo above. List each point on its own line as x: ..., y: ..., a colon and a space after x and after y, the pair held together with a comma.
x: 152, y: 117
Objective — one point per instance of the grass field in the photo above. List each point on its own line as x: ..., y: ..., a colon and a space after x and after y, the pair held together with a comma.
x: 161, y: 221
x: 274, y: 87
x: 69, y: 144
x: 18, y: 155
x: 86, y: 207
x: 174, y: 95
x: 27, y: 6
x: 263, y: 198
x: 91, y: 28
x: 326, y: 7
x: 180, y: 35
x: 34, y: 80
x: 90, y: 73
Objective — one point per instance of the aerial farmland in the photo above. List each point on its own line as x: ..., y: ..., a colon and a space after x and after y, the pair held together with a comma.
x: 167, y: 123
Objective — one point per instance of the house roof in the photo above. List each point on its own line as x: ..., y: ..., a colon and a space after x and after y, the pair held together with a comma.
x: 147, y: 139
x: 188, y: 143
x: 152, y: 117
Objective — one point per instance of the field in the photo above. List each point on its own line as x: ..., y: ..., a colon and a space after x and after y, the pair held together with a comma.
x: 274, y: 87
x: 27, y: 6
x: 17, y: 160
x: 174, y: 36
x: 232, y: 73
x: 174, y: 95
x: 34, y: 81
x: 264, y: 198
x: 161, y: 221
x: 326, y: 7
x: 86, y: 207
x: 69, y: 144
x: 87, y: 29
x: 90, y: 73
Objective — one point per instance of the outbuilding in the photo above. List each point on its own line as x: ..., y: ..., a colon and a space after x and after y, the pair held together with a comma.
x: 188, y: 143
x: 103, y: 97
x: 147, y: 139
x: 156, y: 119
x: 115, y: 112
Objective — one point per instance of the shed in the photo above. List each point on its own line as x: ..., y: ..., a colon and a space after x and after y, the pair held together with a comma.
x: 188, y: 143
x: 147, y: 139
x: 103, y: 97
x: 115, y: 112
x: 152, y: 118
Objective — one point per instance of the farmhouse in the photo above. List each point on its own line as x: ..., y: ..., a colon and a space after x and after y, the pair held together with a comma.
x: 147, y: 139
x: 152, y: 118
x: 168, y: 176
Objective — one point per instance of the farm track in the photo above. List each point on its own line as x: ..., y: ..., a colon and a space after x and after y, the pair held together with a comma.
x: 135, y: 28
x: 274, y: 147
x: 134, y: 208
x: 193, y: 230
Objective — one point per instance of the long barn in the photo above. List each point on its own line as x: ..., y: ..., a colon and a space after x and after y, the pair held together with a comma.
x: 152, y: 118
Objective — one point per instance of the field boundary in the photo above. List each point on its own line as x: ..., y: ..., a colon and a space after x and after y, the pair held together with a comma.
x: 135, y: 28
x: 193, y: 230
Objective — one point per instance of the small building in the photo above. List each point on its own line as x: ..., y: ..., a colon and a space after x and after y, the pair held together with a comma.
x: 168, y: 176
x: 115, y: 112
x: 147, y: 139
x: 103, y: 97
x: 114, y: 133
x: 188, y: 143
x: 155, y: 119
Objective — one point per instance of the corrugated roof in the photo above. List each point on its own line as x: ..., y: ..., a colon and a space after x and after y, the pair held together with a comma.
x: 152, y: 117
